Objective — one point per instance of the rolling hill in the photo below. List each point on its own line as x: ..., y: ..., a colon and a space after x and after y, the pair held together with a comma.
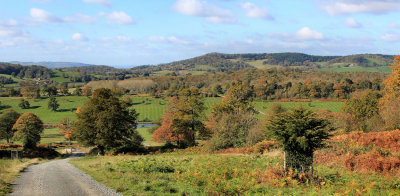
x: 219, y: 62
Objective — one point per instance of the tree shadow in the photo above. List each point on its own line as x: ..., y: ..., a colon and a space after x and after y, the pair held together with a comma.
x: 34, y: 107
x: 66, y: 110
x: 3, y: 107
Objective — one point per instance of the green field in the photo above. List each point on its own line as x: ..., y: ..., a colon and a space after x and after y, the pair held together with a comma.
x: 68, y: 105
x: 147, y: 136
x: 51, y: 136
x: 149, y: 109
x: 212, y: 174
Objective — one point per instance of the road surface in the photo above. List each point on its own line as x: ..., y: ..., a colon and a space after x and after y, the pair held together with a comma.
x: 57, y: 178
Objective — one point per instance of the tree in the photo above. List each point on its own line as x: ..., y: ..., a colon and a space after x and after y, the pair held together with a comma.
x: 50, y: 90
x: 30, y: 89
x: 232, y: 119
x: 28, y: 129
x: 65, y: 127
x: 64, y: 89
x: 301, y: 133
x: 232, y: 130
x: 236, y: 99
x: 187, y: 120
x: 24, y: 104
x: 87, y: 91
x: 165, y: 132
x: 53, y: 104
x: 182, y: 119
x: 7, y: 120
x: 107, y: 123
x: 77, y: 91
x: 363, y: 108
x: 392, y: 84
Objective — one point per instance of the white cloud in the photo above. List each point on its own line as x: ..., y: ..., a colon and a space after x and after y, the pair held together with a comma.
x: 390, y: 37
x: 352, y: 23
x: 9, y: 23
x: 79, y: 37
x: 308, y: 34
x: 106, y: 3
x: 40, y: 15
x: 254, y: 11
x: 118, y: 38
x: 11, y: 28
x: 118, y: 17
x: 169, y: 40
x: 6, y: 32
x: 80, y: 18
x: 205, y: 10
x: 339, y: 7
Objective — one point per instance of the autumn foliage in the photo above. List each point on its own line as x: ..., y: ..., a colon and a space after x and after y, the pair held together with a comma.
x: 365, y: 152
x: 165, y: 132
x: 392, y: 83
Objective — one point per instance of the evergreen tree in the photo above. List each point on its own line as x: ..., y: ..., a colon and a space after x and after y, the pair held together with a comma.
x: 301, y: 133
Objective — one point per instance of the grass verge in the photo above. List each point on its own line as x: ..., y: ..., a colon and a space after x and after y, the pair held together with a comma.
x: 9, y: 170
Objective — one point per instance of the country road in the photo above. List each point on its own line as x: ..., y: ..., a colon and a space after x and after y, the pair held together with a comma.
x: 57, y: 178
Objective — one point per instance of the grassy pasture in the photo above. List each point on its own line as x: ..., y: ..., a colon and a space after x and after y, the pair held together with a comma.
x: 212, y: 174
x: 68, y: 105
x: 149, y: 108
x: 51, y: 136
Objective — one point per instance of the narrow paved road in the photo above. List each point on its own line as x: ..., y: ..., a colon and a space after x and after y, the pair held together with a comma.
x: 57, y: 178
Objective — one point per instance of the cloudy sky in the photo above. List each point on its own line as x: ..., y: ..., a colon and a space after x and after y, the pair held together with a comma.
x: 136, y: 32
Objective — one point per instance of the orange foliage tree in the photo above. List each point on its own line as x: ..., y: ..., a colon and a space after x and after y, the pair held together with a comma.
x: 165, y: 132
x: 184, y: 119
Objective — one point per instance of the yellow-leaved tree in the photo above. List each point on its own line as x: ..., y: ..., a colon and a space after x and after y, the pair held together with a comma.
x: 390, y: 102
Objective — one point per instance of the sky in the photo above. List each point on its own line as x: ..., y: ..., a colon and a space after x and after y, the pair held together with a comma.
x: 125, y: 33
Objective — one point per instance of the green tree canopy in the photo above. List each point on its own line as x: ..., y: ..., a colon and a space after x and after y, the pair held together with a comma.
x: 363, y: 108
x: 53, y: 104
x: 237, y: 98
x: 232, y: 119
x: 24, y: 104
x: 28, y: 129
x: 7, y: 121
x: 107, y: 123
x: 301, y: 133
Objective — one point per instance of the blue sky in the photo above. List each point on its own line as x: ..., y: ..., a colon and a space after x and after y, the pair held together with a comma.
x: 136, y: 32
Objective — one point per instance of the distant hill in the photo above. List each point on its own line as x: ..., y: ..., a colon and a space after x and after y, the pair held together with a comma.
x: 50, y: 64
x: 219, y: 62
